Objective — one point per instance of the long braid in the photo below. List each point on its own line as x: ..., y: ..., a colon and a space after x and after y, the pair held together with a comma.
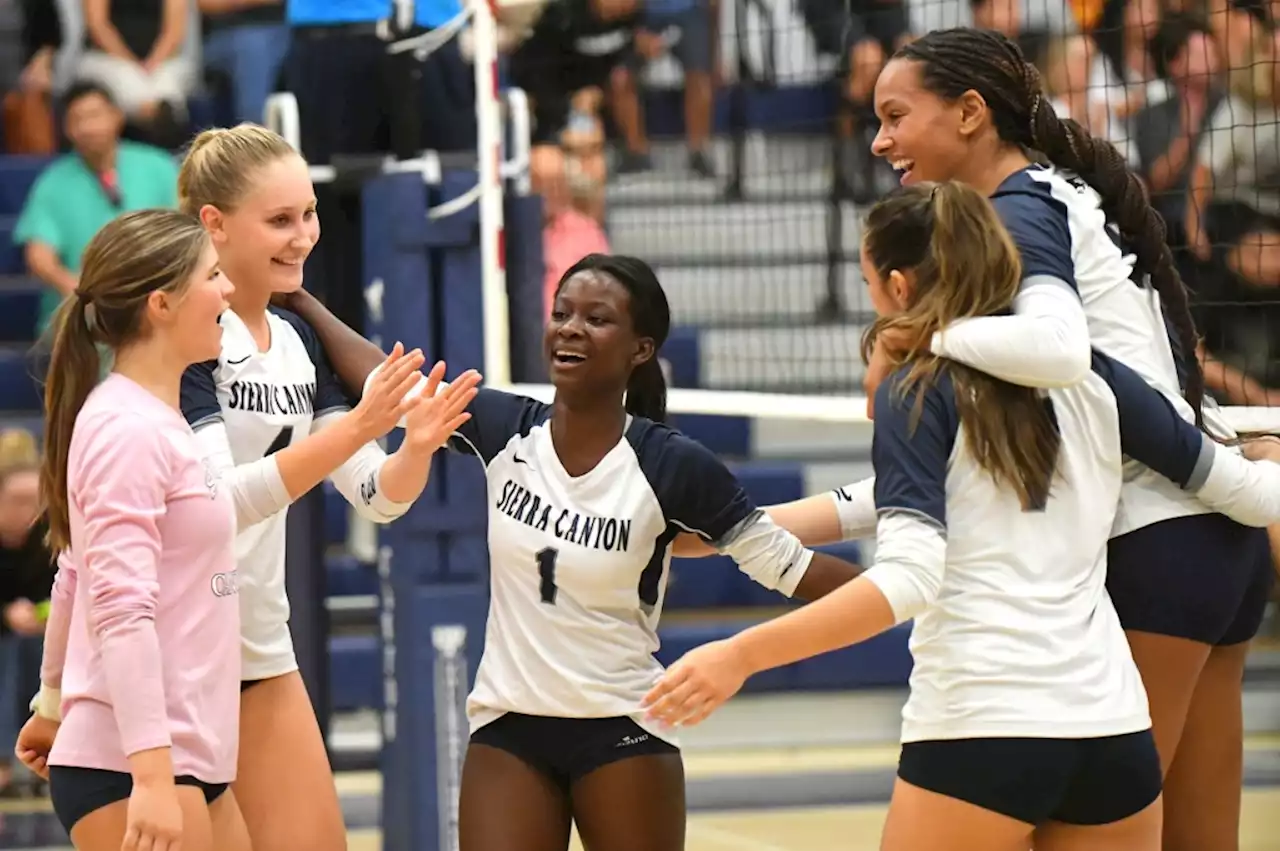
x: 958, y: 60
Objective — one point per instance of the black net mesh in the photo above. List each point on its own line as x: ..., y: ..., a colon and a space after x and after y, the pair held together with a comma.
x: 727, y: 142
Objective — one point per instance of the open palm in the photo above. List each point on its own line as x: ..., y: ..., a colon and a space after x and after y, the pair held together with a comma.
x: 439, y: 410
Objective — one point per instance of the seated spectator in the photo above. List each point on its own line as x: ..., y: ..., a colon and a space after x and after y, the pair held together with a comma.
x: 26, y: 579
x: 134, y: 51
x: 1166, y: 134
x: 1233, y: 206
x: 574, y: 47
x: 80, y: 192
x: 246, y: 40
x: 568, y: 237
x: 686, y: 28
x: 1122, y: 77
x: 583, y: 144
x: 28, y: 107
x: 864, y: 34
x: 1064, y: 67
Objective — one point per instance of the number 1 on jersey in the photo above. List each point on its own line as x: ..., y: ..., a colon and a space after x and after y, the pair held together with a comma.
x: 547, y: 573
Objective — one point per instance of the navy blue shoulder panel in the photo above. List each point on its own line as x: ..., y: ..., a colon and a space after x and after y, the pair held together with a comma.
x: 1151, y: 431
x: 696, y: 490
x: 330, y: 396
x: 912, y: 456
x: 1038, y: 224
x: 199, y: 394
x: 496, y: 417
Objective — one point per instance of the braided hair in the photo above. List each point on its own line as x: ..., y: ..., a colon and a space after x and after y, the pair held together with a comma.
x: 955, y: 61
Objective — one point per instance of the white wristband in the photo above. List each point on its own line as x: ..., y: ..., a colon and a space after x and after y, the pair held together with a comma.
x: 48, y: 704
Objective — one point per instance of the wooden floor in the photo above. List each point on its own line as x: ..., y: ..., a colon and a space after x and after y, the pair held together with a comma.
x: 858, y: 829
x: 852, y: 828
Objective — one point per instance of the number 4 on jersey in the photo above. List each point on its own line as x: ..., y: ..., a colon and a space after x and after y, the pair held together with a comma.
x: 283, y: 439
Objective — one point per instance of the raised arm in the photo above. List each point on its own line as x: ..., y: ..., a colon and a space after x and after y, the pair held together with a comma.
x: 1045, y: 343
x: 267, y: 486
x: 353, y: 357
x: 382, y: 487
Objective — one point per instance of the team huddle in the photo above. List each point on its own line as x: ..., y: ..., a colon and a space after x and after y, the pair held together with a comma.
x: 1075, y: 531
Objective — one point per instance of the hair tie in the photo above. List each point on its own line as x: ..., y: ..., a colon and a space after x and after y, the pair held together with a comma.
x: 86, y: 304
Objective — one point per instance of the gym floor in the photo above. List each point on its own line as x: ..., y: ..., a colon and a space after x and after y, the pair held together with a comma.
x: 30, y: 824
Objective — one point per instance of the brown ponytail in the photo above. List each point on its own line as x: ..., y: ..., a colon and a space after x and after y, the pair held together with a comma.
x: 130, y: 258
x: 964, y: 264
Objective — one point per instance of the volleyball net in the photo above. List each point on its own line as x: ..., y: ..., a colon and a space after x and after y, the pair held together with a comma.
x: 760, y: 257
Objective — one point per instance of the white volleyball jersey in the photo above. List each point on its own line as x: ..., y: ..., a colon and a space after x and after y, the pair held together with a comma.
x: 245, y: 406
x: 1017, y: 635
x: 1057, y: 222
x: 578, y: 565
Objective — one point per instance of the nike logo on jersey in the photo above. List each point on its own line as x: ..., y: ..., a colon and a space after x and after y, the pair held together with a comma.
x: 518, y: 459
x: 611, y: 534
x: 238, y: 362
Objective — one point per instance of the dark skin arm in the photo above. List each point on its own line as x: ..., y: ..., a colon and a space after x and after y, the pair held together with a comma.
x: 352, y: 356
x: 826, y: 573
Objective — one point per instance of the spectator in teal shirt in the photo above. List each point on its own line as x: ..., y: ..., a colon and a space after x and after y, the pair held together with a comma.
x: 80, y: 192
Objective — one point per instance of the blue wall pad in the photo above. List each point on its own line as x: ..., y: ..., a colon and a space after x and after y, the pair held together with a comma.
x: 435, y: 650
x: 355, y: 672
x: 336, y: 515
x: 348, y: 577
x: 770, y: 482
x: 725, y: 436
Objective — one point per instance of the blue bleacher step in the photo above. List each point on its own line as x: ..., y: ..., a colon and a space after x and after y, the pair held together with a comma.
x: 17, y: 174
x: 19, y: 307
x: 18, y: 389
x: 11, y: 259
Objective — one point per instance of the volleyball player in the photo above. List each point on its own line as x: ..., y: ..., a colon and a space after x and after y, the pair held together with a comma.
x: 585, y: 497
x: 1027, y: 723
x: 269, y: 416
x: 149, y: 701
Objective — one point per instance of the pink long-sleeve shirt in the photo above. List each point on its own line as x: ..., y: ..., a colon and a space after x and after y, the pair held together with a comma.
x: 153, y: 650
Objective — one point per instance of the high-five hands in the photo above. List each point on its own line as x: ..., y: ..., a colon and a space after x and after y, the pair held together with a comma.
x: 437, y: 412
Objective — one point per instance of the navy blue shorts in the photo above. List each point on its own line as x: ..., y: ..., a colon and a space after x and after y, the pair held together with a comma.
x: 1204, y: 578
x: 1073, y: 781
x: 77, y: 792
x: 568, y: 749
